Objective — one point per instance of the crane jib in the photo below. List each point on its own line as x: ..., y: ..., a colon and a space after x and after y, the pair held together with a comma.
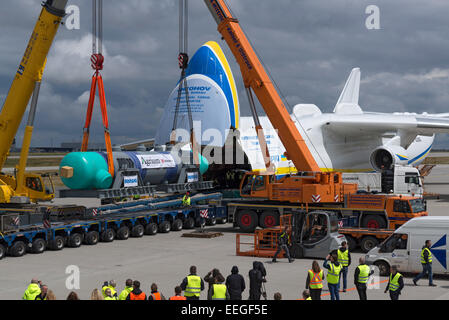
x: 219, y: 13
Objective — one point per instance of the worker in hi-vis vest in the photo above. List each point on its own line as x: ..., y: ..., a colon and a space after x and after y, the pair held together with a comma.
x: 395, y: 283
x: 361, y: 276
x: 333, y: 275
x: 426, y: 262
x: 192, y: 285
x: 344, y: 258
x: 186, y: 199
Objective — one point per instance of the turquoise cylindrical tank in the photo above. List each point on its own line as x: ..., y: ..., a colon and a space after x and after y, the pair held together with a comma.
x: 90, y: 171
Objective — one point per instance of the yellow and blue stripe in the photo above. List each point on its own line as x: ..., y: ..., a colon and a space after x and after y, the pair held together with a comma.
x: 209, y: 60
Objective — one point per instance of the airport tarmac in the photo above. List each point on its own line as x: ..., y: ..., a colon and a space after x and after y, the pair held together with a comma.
x: 165, y: 259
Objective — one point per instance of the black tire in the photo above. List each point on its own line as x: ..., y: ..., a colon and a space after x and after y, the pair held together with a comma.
x: 211, y: 221
x: 2, y: 251
x: 368, y: 243
x: 269, y: 219
x: 352, y: 243
x: 137, y: 231
x: 247, y: 220
x: 373, y: 221
x: 151, y: 229
x: 38, y: 246
x: 189, y: 223
x: 75, y: 240
x: 222, y: 220
x: 92, y: 238
x: 108, y: 235
x: 384, y: 268
x: 164, y: 226
x: 176, y: 225
x: 57, y: 243
x: 18, y: 249
x: 123, y: 233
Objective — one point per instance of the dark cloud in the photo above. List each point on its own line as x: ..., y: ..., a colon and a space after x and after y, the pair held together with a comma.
x: 308, y: 46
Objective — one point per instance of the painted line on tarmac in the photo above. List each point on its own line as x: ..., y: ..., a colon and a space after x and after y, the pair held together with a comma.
x: 354, y: 288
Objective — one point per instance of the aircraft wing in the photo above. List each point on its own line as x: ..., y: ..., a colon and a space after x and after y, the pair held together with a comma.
x: 384, y: 124
x: 149, y: 143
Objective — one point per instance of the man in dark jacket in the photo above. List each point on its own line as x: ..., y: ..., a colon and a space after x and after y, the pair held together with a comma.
x: 361, y: 276
x: 136, y: 294
x: 236, y: 284
x: 395, y: 283
x: 256, y: 278
x: 283, y: 242
x: 188, y: 283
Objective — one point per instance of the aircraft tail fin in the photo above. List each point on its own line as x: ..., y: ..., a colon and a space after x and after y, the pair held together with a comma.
x: 348, y: 102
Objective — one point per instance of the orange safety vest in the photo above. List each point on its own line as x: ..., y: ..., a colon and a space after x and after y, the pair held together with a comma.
x: 133, y: 296
x: 316, y: 279
x: 156, y: 296
x: 178, y: 298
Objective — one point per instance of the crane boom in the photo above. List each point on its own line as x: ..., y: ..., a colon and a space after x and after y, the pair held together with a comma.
x: 256, y: 78
x: 28, y: 73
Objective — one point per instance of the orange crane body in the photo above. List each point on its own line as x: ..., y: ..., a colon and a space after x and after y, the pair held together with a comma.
x: 312, y: 185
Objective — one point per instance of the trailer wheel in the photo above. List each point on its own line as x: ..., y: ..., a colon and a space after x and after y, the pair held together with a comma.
x: 151, y: 229
x: 164, y: 227
x: 108, y: 235
x: 211, y: 221
x: 18, y: 249
x: 384, y: 268
x: 372, y: 221
x: 92, y: 238
x: 222, y: 220
x: 269, y: 219
x: 352, y: 243
x: 137, y: 231
x: 368, y: 243
x: 75, y: 240
x: 38, y: 245
x: 176, y: 225
x: 57, y: 243
x: 2, y: 251
x: 123, y: 233
x: 247, y: 220
x: 189, y: 223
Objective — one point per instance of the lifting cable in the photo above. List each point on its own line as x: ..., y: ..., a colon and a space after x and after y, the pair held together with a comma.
x: 183, y: 62
x: 97, y: 60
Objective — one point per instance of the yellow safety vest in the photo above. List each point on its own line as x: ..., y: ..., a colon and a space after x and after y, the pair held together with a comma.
x: 109, y: 298
x: 125, y: 292
x: 394, y: 284
x: 363, y: 273
x: 422, y: 255
x: 316, y: 279
x: 309, y: 298
x: 193, y: 287
x: 186, y: 201
x: 113, y: 291
x: 333, y: 275
x: 32, y: 292
x: 219, y: 292
x: 343, y: 257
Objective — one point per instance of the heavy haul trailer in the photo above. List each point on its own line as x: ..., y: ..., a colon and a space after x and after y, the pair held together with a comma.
x: 102, y: 224
x: 364, y: 219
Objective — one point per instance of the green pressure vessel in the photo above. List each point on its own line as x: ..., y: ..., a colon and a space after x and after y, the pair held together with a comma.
x: 90, y: 171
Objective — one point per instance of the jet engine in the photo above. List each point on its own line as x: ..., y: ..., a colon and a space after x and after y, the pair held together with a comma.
x: 385, y: 157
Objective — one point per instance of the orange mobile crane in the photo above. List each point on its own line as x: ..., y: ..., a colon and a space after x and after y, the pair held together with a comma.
x: 266, y: 197
x: 311, y: 184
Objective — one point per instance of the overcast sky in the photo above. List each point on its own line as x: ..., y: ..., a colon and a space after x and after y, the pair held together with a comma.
x: 309, y: 47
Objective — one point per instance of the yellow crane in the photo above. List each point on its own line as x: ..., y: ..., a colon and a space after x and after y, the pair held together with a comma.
x: 24, y: 187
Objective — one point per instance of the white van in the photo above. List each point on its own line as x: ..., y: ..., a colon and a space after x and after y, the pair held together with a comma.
x: 403, y: 247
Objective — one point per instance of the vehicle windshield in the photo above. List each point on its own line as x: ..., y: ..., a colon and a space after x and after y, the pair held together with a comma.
x: 417, y: 205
